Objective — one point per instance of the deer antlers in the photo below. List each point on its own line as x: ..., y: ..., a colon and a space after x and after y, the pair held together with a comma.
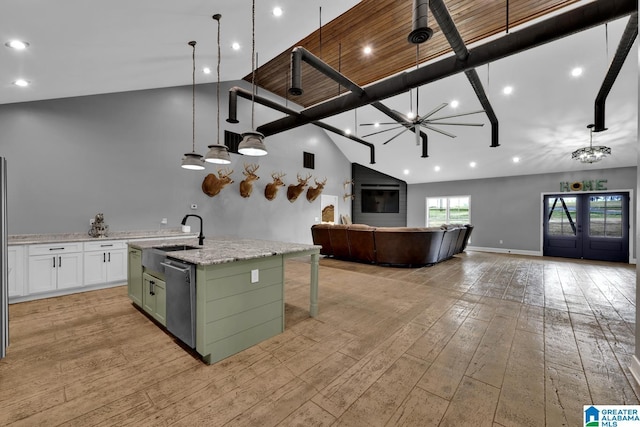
x: 314, y: 192
x: 213, y: 184
x: 246, y: 185
x: 293, y: 191
x: 271, y: 190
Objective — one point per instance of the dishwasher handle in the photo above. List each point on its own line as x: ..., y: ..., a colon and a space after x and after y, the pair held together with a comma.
x: 184, y: 270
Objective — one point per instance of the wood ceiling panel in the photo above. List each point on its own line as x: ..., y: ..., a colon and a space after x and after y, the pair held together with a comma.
x: 385, y: 25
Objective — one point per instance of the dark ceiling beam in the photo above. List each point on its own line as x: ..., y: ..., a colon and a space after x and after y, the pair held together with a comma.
x: 236, y: 92
x: 300, y: 54
x: 450, y: 31
x: 626, y: 41
x: 551, y: 29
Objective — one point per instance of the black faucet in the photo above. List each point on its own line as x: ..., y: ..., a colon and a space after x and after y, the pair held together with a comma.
x: 201, y: 236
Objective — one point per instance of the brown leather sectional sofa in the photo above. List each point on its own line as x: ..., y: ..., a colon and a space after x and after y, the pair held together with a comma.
x: 404, y: 246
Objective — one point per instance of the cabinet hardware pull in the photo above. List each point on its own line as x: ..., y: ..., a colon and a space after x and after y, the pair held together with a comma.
x: 152, y: 286
x: 109, y: 260
x: 106, y: 246
x: 59, y: 261
x: 104, y: 257
x: 54, y: 262
x: 56, y: 249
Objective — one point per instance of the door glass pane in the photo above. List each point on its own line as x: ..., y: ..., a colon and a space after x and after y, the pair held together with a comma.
x: 436, y: 211
x: 605, y: 216
x: 459, y: 210
x: 561, y: 212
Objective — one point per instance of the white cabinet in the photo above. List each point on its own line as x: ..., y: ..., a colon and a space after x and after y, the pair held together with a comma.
x: 105, y: 262
x: 54, y: 266
x: 16, y: 271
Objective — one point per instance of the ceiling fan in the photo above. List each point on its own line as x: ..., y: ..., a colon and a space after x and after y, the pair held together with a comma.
x: 427, y: 121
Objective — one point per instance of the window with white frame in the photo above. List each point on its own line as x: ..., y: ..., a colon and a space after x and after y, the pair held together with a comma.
x: 448, y: 210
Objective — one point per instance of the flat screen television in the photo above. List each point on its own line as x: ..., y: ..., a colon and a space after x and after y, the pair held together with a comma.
x: 380, y: 201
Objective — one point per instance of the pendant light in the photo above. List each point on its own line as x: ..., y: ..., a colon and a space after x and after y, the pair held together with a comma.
x: 193, y: 161
x: 591, y: 154
x: 218, y: 153
x: 252, y: 142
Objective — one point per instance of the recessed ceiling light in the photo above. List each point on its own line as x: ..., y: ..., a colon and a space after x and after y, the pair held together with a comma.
x: 21, y: 83
x: 454, y: 103
x: 235, y: 46
x: 516, y: 160
x: 376, y: 125
x: 277, y: 11
x: 473, y: 164
x: 406, y: 171
x: 437, y: 169
x: 206, y: 70
x: 507, y: 90
x: 576, y: 72
x: 17, y: 44
x: 347, y: 131
x: 367, y: 50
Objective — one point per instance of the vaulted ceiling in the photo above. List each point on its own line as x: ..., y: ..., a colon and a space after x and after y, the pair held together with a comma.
x: 84, y: 47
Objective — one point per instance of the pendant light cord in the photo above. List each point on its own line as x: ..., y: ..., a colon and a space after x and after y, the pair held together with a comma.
x: 218, y: 85
x: 253, y: 62
x: 193, y: 96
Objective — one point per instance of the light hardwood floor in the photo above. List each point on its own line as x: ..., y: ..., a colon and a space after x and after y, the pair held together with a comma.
x: 481, y: 339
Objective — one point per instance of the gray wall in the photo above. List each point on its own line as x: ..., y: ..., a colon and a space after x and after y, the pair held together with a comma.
x: 120, y: 154
x: 364, y: 175
x: 509, y: 209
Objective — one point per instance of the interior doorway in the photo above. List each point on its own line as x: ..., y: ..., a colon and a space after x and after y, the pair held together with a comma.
x: 590, y: 226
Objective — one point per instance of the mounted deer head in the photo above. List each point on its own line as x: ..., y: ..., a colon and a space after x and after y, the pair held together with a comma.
x: 271, y: 190
x: 314, y: 192
x: 212, y: 184
x: 246, y: 185
x: 293, y: 191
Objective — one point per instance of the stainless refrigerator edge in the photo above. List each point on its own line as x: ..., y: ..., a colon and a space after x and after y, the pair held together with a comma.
x: 4, y: 261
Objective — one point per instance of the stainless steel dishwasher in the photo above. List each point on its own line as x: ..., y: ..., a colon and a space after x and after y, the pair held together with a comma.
x: 180, y: 278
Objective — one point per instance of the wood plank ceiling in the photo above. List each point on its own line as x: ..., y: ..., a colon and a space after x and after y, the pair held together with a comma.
x: 384, y: 25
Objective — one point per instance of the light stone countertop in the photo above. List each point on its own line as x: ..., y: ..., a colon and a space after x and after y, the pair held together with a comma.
x: 219, y: 250
x: 30, y: 239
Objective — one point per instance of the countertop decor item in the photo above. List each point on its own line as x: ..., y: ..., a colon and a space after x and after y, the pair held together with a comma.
x: 193, y: 161
x: 99, y: 228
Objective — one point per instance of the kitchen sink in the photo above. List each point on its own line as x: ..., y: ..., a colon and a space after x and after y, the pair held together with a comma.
x: 174, y: 248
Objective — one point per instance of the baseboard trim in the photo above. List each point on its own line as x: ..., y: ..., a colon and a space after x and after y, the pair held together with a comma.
x: 504, y: 251
x: 635, y: 368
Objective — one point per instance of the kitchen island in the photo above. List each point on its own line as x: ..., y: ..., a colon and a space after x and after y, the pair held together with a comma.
x: 239, y: 289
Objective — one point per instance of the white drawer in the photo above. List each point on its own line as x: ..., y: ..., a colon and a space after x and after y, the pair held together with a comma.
x: 104, y: 245
x: 55, y: 248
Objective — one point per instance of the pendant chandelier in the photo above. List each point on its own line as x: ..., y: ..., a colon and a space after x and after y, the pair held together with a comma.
x: 591, y: 154
x: 252, y: 142
x: 193, y: 161
x: 218, y: 153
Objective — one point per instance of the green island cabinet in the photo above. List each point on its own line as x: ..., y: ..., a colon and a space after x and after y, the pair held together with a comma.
x: 235, y: 311
x: 134, y: 276
x: 145, y: 290
x: 238, y: 304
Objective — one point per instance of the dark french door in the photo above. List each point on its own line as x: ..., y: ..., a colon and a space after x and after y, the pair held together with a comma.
x: 591, y: 226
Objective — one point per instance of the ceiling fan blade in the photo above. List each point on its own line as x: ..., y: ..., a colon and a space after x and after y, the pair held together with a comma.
x: 450, y: 135
x: 382, y: 131
x: 432, y: 112
x: 457, y: 115
x: 453, y: 123
x: 396, y: 135
x: 380, y: 124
